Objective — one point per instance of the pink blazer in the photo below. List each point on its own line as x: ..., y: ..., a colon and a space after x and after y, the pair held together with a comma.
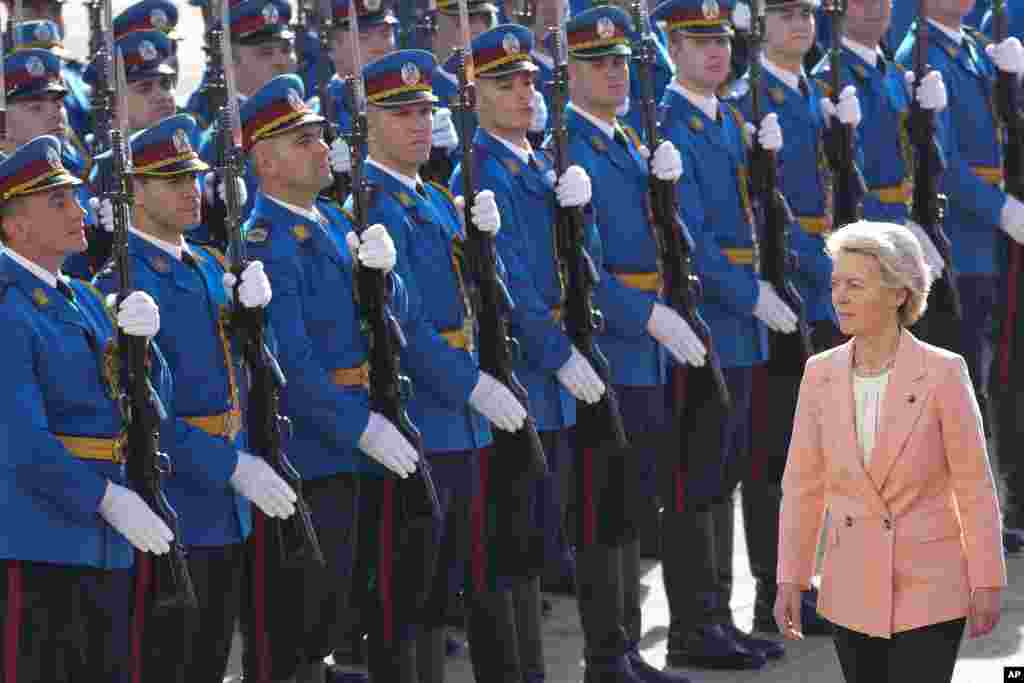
x: 917, y: 529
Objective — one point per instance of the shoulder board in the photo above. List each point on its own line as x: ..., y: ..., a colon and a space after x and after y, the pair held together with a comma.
x: 444, y: 190
x: 258, y: 232
x: 736, y: 90
x: 215, y: 253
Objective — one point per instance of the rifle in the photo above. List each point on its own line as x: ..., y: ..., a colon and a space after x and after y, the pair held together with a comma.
x: 417, y: 20
x: 598, y: 423
x: 213, y: 213
x: 929, y: 205
x: 296, y: 536
x: 674, y: 238
x: 848, y: 187
x: 417, y: 495
x: 772, y: 215
x: 12, y: 26
x: 525, y: 13
x: 342, y: 183
x: 95, y: 11
x: 491, y: 300
x: 141, y: 407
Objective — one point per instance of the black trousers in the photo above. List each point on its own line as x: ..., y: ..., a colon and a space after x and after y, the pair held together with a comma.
x: 921, y: 654
x: 64, y: 623
x: 192, y: 646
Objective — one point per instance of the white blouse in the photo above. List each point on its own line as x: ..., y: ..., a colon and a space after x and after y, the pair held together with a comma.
x: 868, y: 393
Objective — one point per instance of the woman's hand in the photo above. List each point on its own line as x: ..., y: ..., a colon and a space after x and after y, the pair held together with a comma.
x: 986, y: 604
x: 787, y: 611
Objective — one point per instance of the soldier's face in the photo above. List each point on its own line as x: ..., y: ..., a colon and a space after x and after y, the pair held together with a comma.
x: 702, y: 64
x: 171, y: 203
x: 42, y: 9
x: 868, y: 20
x: 148, y: 101
x: 950, y: 7
x: 30, y: 118
x: 449, y: 34
x: 401, y: 134
x: 789, y: 31
x: 300, y: 158
x: 506, y: 104
x: 600, y: 83
x: 47, y: 225
x: 374, y: 42
x: 257, y: 64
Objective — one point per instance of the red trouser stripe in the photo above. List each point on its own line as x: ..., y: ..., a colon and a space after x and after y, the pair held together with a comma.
x: 385, y: 566
x: 259, y: 597
x: 143, y: 578
x: 589, y: 507
x: 758, y: 419
x: 1010, y: 323
x: 478, y: 522
x: 12, y: 623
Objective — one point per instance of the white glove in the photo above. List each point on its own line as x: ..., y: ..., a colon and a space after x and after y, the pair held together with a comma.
x: 384, y: 443
x: 493, y: 400
x: 1011, y: 219
x: 773, y: 311
x: 573, y: 188
x: 104, y: 211
x: 769, y: 133
x: 243, y: 194
x: 254, y: 292
x: 132, y: 518
x: 443, y: 134
x: 1008, y: 55
x: 138, y: 315
x: 375, y: 250
x: 539, y: 121
x: 932, y: 91
x: 667, y: 163
x: 485, y: 213
x: 579, y: 377
x: 741, y: 16
x: 339, y: 156
x: 258, y: 482
x: 848, y: 109
x: 931, y: 254
x: 676, y: 335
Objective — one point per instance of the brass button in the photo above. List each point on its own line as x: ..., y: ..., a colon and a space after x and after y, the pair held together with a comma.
x: 849, y: 520
x: 888, y: 524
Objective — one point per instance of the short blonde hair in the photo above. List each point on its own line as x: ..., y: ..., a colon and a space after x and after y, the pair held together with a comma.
x: 899, y: 255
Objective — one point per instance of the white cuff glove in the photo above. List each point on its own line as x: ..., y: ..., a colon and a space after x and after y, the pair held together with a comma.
x: 1011, y: 219
x: 339, y: 156
x: 741, y: 16
x: 254, y: 292
x: 375, y: 250
x: 932, y: 91
x: 676, y: 335
x: 769, y: 133
x: 573, y: 188
x: 931, y: 254
x: 443, y: 134
x: 1007, y: 55
x: 258, y: 482
x: 485, y: 213
x: 131, y: 517
x: 773, y: 311
x: 104, y: 211
x: 384, y: 443
x: 138, y: 315
x: 848, y: 109
x: 493, y: 400
x: 667, y: 163
x: 243, y: 194
x: 580, y: 379
x: 539, y: 121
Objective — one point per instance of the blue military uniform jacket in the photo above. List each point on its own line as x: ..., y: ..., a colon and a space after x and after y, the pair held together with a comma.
x: 715, y: 205
x: 802, y: 180
x: 428, y: 237
x: 315, y: 321
x: 526, y: 244
x: 883, y: 135
x: 59, y: 361
x: 194, y: 337
x: 619, y: 203
x: 207, y: 147
x: 967, y: 134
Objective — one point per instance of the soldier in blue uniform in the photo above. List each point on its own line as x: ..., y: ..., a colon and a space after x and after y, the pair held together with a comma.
x: 639, y: 330
x: 452, y: 399
x: 323, y: 353
x: 49, y: 10
x: 151, y: 15
x: 215, y: 476
x: 553, y: 372
x: 72, y: 521
x: 740, y: 308
x: 981, y: 217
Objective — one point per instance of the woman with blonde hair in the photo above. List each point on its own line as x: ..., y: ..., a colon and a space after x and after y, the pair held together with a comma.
x: 888, y: 439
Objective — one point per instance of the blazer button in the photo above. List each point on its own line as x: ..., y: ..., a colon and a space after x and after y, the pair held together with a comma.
x: 888, y: 524
x: 849, y: 520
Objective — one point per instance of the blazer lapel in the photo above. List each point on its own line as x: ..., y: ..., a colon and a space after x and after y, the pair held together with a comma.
x: 901, y: 407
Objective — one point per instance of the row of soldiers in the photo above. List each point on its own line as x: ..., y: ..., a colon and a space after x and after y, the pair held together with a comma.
x: 73, y: 607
